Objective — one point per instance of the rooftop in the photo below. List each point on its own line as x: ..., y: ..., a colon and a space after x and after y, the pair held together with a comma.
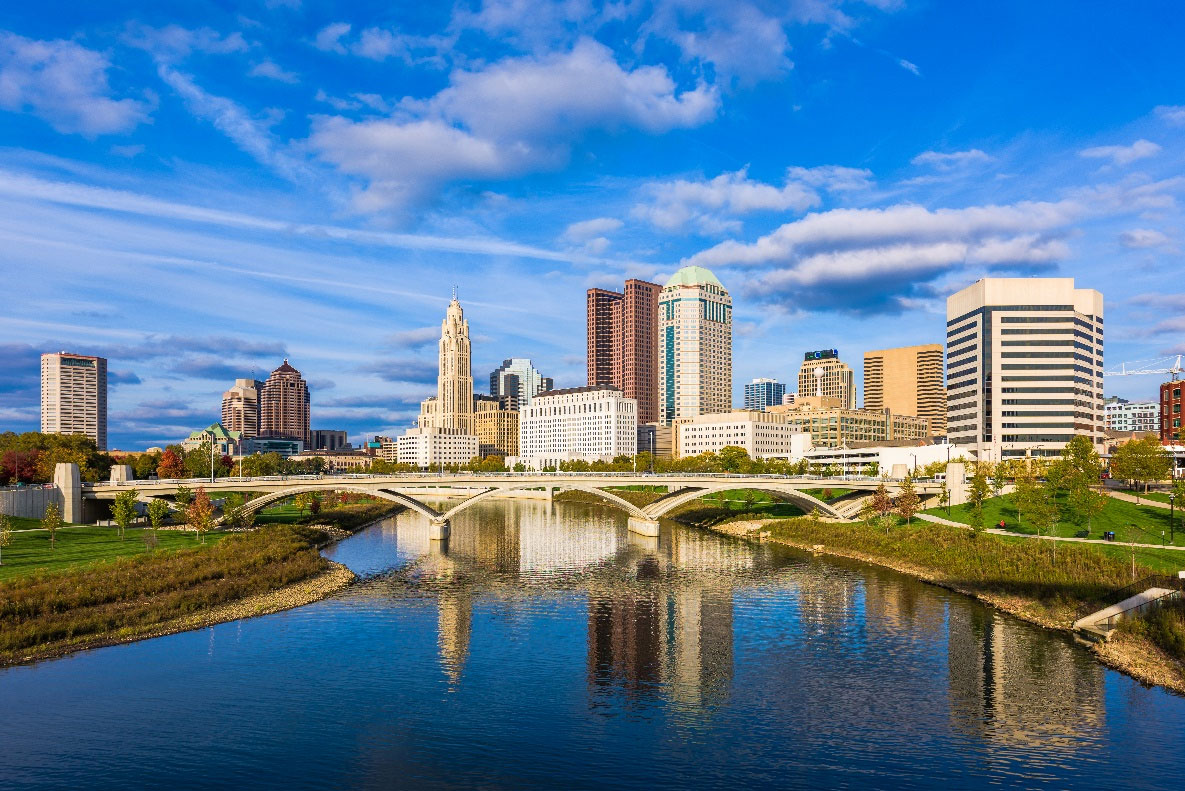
x: 693, y: 276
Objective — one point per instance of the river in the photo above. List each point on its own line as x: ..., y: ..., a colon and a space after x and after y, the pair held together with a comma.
x: 547, y: 647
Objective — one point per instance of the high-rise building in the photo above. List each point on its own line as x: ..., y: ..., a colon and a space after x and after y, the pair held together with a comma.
x: 516, y: 381
x: 74, y: 395
x: 452, y: 408
x: 761, y: 393
x: 284, y: 405
x: 240, y: 407
x: 623, y: 342
x: 823, y: 375
x: 328, y: 439
x: 907, y: 380
x: 1024, y: 359
x: 496, y: 427
x: 695, y: 346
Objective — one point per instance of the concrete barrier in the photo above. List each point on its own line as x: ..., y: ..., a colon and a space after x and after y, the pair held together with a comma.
x: 29, y: 502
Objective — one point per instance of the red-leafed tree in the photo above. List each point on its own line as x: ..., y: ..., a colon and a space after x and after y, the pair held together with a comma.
x: 171, y: 465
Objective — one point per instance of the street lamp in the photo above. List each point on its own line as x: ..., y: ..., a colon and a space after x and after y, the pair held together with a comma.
x: 1172, y: 533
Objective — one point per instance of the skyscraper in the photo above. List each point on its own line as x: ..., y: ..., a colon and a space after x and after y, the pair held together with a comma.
x: 284, y: 405
x: 240, y: 407
x: 1024, y: 366
x: 452, y: 408
x: 907, y: 381
x: 516, y: 381
x: 761, y: 393
x: 695, y: 345
x: 623, y: 343
x: 823, y: 374
x: 74, y: 396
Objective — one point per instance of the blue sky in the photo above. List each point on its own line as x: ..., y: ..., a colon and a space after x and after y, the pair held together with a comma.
x: 196, y: 191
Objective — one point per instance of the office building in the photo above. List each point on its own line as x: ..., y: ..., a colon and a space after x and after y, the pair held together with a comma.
x: 1024, y: 366
x: 240, y: 407
x: 656, y: 439
x: 831, y: 425
x: 586, y: 423
x: 887, y: 458
x: 285, y: 446
x: 823, y: 375
x: 515, y: 382
x: 623, y: 342
x: 1170, y: 413
x: 224, y: 441
x: 328, y: 439
x: 337, y: 460
x: 761, y: 393
x: 452, y: 407
x: 764, y: 435
x: 695, y: 346
x: 1119, y: 414
x: 496, y: 427
x: 74, y: 396
x: 284, y: 405
x: 432, y: 447
x: 907, y: 380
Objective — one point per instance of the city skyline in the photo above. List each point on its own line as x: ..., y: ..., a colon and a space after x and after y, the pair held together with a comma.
x: 843, y: 178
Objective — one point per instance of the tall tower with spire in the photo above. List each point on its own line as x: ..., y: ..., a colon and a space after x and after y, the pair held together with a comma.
x: 452, y: 409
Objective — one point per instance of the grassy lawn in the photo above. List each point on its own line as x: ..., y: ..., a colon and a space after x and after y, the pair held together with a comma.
x: 1129, y: 521
x: 1160, y: 497
x: 822, y: 494
x: 84, y: 545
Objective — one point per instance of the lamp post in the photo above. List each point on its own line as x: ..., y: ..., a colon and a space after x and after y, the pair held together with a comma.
x: 1172, y: 533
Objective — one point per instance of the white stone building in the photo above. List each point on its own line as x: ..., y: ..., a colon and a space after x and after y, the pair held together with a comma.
x: 853, y: 461
x: 695, y: 346
x: 764, y: 435
x: 430, y: 447
x: 74, y: 396
x: 585, y: 423
x: 1132, y: 416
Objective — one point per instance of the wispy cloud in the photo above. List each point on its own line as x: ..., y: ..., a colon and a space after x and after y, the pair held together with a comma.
x: 1122, y: 155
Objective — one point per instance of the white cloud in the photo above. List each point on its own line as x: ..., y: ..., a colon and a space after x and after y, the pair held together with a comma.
x: 1140, y: 238
x: 948, y: 161
x: 174, y: 42
x: 1173, y: 114
x: 339, y: 104
x: 516, y: 116
x: 912, y: 68
x: 64, y: 84
x: 710, y: 205
x: 329, y: 37
x: 273, y: 71
x: 1122, y: 155
x: 587, y: 229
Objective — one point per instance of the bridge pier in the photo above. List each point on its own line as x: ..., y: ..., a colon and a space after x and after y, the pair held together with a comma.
x: 643, y: 527
x: 438, y: 529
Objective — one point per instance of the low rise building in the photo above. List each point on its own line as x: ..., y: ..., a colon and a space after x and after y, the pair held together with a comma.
x: 594, y: 423
x: 1119, y: 414
x: 764, y: 435
x: 854, y: 461
x: 431, y: 447
x: 1170, y: 413
x: 226, y: 443
x: 337, y: 461
x: 832, y: 425
x: 285, y: 446
x: 656, y: 439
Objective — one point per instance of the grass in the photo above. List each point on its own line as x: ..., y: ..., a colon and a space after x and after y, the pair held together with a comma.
x: 1129, y: 521
x: 1055, y: 584
x: 48, y: 611
x: 346, y: 517
x: 83, y: 545
x: 822, y: 494
x: 1163, y: 626
x: 1160, y: 497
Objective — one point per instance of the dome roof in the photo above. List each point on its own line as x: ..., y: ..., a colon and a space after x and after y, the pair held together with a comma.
x: 693, y: 276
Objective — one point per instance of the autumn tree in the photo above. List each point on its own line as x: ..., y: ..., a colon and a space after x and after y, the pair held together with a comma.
x: 944, y: 497
x: 171, y: 465
x: 124, y: 510
x: 1141, y: 461
x: 908, y: 502
x: 184, y: 496
x: 977, y: 494
x: 302, y: 502
x: 314, y: 503
x: 5, y: 534
x: 200, y: 514
x: 51, y: 521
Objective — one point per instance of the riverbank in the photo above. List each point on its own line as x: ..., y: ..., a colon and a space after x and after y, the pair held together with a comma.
x: 276, y: 567
x: 1016, y: 576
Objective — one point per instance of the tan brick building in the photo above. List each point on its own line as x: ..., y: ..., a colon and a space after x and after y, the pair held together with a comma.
x: 907, y: 380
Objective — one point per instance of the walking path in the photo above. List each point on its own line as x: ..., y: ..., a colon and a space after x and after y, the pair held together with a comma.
x: 938, y: 520
x: 1131, y: 498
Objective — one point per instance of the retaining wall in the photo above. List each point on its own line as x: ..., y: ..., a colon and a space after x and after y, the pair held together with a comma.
x: 29, y: 502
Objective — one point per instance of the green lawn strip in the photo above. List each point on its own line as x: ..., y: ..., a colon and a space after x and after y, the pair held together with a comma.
x: 347, y: 517
x: 1056, y: 580
x: 836, y: 493
x: 1160, y: 497
x: 1129, y: 521
x: 47, y: 611
x: 84, y: 545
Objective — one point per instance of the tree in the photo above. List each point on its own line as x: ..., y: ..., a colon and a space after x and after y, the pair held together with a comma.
x: 236, y: 513
x: 200, y: 514
x: 1141, y: 461
x: 157, y: 511
x: 51, y: 521
x: 302, y: 502
x: 977, y: 493
x: 184, y: 496
x: 881, y: 505
x: 1025, y: 494
x: 171, y: 465
x: 944, y: 497
x: 5, y: 534
x: 314, y: 503
x: 124, y: 510
x: 871, y: 470
x: 1043, y: 511
x: 908, y: 502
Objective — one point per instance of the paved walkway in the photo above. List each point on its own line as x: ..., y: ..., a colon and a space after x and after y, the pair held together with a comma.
x: 1131, y: 498
x: 938, y: 520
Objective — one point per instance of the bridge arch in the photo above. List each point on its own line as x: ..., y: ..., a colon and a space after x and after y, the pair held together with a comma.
x: 661, y: 507
x: 620, y: 502
x: 263, y: 501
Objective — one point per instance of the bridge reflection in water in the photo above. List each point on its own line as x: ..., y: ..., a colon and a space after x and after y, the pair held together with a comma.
x: 667, y: 617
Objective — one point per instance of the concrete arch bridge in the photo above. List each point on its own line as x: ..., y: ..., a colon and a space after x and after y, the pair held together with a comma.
x: 412, y: 490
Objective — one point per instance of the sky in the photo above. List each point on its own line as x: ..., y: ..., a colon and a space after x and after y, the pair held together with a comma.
x: 197, y: 191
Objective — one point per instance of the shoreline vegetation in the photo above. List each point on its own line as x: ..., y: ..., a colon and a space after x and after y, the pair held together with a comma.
x: 48, y: 612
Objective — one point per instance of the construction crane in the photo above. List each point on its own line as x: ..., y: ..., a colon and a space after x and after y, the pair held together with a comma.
x: 1157, y: 366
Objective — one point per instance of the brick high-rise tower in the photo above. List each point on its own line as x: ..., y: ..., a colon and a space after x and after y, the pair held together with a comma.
x: 284, y: 405
x: 623, y: 343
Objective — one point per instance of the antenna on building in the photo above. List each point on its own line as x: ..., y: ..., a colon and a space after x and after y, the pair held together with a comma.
x: 454, y: 293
